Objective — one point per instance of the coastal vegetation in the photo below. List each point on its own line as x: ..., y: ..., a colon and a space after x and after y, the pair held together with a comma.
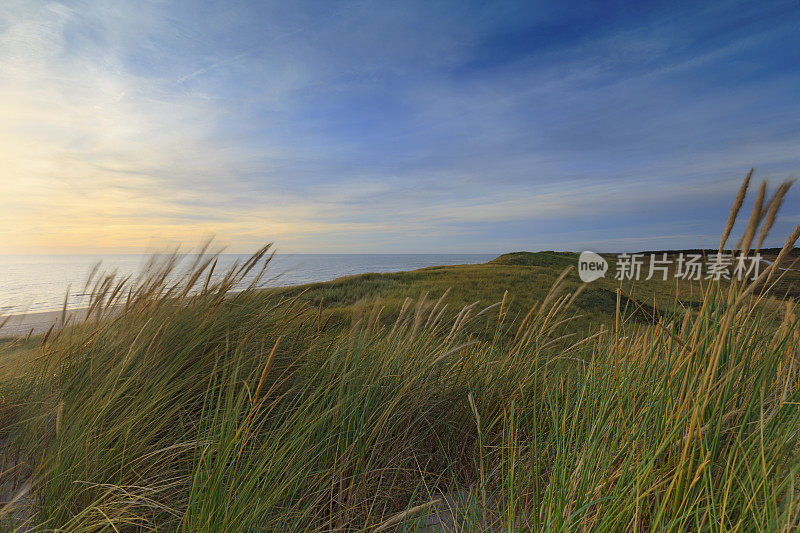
x: 506, y: 396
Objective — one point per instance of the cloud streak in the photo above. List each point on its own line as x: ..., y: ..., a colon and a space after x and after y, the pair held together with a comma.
x: 368, y: 126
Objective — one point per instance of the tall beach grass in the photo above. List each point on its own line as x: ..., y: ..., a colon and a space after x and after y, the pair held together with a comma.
x: 193, y: 408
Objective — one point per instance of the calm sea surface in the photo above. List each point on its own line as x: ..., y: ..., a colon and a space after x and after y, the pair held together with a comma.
x: 39, y: 283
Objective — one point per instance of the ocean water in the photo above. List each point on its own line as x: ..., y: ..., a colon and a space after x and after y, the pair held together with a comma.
x: 33, y: 283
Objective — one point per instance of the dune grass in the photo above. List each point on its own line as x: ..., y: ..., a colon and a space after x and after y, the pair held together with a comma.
x: 520, y: 284
x: 195, y: 408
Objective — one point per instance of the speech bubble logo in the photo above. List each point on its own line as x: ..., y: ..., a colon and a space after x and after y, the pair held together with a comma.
x: 591, y: 266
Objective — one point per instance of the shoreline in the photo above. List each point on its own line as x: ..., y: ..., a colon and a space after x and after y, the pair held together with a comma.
x: 38, y: 322
x: 20, y: 325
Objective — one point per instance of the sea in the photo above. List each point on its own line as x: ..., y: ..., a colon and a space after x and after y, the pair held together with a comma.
x: 35, y: 283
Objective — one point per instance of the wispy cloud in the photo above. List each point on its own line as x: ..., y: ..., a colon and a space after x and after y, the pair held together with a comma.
x: 366, y: 126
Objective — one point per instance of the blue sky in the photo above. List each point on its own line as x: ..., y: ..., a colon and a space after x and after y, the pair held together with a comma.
x: 391, y: 126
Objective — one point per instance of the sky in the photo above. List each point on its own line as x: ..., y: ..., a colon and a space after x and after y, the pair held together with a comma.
x: 389, y: 127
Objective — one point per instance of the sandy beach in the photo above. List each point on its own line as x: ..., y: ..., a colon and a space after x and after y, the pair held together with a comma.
x: 36, y: 323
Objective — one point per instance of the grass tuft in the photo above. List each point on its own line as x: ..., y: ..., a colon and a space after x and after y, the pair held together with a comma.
x: 187, y: 402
